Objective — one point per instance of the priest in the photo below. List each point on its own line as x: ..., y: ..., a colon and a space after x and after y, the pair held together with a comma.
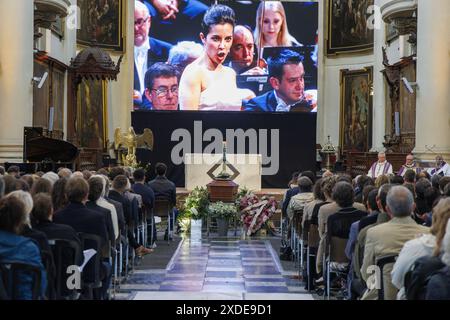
x: 409, y: 165
x: 380, y: 167
x: 442, y: 168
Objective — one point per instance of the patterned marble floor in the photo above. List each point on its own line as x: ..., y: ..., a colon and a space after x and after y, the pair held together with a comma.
x: 217, y: 270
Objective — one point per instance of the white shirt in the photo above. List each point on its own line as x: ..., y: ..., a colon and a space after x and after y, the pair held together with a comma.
x: 140, y: 60
x: 411, y: 251
x: 406, y: 167
x: 283, y: 106
x: 379, y: 169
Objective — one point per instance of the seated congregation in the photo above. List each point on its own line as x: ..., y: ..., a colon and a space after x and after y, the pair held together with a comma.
x: 49, y: 221
x: 386, y: 238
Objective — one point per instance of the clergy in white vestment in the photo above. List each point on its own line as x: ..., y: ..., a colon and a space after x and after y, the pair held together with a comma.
x: 442, y: 168
x: 409, y: 165
x: 380, y: 167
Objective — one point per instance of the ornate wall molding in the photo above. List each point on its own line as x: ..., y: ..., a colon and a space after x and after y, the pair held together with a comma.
x: 403, y: 14
x: 397, y: 8
x: 46, y: 13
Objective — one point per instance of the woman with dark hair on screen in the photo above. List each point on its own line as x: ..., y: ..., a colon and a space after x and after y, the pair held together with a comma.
x: 206, y: 83
x: 271, y: 26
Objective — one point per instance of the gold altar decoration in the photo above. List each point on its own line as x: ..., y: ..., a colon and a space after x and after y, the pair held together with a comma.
x: 131, y: 141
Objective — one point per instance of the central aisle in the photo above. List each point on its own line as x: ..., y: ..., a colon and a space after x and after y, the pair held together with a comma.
x: 217, y: 270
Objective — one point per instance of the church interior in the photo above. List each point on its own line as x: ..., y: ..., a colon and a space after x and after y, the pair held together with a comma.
x: 225, y: 150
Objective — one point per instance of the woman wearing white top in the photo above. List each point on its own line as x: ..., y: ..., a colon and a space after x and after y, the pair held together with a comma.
x: 206, y: 84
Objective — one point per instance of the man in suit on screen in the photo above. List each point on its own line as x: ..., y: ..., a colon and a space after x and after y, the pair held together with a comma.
x: 287, y: 78
x: 147, y: 50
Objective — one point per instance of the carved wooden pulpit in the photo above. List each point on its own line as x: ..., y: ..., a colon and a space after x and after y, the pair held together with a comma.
x: 86, y: 116
x: 401, y: 112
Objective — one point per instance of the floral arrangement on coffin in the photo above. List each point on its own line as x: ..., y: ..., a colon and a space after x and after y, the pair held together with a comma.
x: 222, y: 210
x: 255, y: 212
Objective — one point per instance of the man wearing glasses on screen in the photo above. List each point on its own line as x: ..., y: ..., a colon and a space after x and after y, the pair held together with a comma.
x: 286, y: 76
x: 161, y: 87
x: 147, y: 50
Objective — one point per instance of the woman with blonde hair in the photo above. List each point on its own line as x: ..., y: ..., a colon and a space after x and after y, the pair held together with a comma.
x: 441, y: 214
x: 438, y: 287
x: 271, y: 26
x: 383, y: 179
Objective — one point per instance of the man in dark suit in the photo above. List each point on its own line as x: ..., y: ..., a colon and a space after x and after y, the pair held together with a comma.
x: 164, y: 188
x: 139, y: 187
x: 84, y: 220
x: 147, y: 194
x: 147, y: 50
x: 119, y: 187
x: 286, y: 76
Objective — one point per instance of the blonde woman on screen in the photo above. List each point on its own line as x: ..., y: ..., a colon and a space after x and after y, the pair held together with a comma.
x: 271, y: 26
x: 206, y: 84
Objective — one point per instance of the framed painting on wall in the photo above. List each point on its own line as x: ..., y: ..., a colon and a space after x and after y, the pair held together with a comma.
x: 349, y: 26
x: 102, y: 20
x: 91, y: 117
x: 356, y: 110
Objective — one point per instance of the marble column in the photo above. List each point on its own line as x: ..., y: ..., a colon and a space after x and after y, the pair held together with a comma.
x: 322, y: 132
x: 119, y: 93
x: 16, y: 72
x: 433, y: 79
x: 379, y: 88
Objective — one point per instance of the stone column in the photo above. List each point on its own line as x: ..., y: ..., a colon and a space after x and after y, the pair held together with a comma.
x: 433, y: 79
x: 379, y: 89
x: 16, y: 72
x: 321, y: 131
x: 120, y: 92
